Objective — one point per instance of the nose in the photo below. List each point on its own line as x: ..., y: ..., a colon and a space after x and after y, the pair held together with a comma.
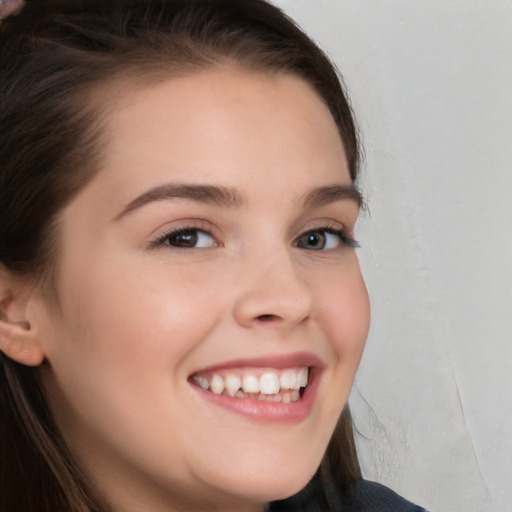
x: 273, y: 292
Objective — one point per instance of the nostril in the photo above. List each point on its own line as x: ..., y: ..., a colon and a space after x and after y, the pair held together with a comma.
x: 266, y: 318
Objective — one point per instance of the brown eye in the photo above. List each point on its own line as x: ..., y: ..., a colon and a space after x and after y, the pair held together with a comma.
x: 189, y: 238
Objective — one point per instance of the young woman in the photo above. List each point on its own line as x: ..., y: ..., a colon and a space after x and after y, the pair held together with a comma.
x: 182, y: 310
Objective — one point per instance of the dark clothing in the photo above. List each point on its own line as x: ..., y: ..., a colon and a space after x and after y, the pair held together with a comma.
x: 366, y: 496
x: 360, y: 496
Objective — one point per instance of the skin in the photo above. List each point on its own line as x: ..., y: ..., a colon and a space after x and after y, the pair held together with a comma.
x: 136, y: 320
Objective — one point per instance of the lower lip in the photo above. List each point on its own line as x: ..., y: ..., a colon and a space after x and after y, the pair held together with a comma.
x: 261, y: 410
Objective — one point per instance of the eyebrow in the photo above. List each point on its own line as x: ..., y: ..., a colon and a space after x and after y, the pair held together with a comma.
x: 210, y: 194
x: 322, y: 196
x: 232, y: 198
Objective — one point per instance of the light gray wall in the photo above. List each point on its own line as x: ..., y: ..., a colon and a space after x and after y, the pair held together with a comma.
x: 431, y: 83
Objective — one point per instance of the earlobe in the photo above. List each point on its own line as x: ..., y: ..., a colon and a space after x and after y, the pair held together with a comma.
x: 18, y: 339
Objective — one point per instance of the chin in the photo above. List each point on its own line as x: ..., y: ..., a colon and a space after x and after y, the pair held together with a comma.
x: 258, y: 485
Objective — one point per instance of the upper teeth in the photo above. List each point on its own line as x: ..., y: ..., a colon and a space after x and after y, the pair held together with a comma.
x: 250, y: 384
x: 270, y: 382
x: 233, y: 383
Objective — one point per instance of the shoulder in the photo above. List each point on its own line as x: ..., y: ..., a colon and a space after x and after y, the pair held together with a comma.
x: 367, y: 496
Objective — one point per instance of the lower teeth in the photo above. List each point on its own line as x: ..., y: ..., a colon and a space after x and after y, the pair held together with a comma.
x: 292, y: 396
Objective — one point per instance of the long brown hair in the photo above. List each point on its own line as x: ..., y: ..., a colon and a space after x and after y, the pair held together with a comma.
x: 56, y: 55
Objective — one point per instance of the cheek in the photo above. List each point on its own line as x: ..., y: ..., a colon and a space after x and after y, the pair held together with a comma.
x: 345, y: 317
x: 345, y: 305
x: 123, y: 331
x: 120, y: 354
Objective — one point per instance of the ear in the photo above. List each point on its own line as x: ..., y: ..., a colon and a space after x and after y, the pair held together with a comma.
x: 18, y: 338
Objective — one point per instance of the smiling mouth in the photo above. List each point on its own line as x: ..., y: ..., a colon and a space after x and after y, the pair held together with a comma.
x: 263, y: 384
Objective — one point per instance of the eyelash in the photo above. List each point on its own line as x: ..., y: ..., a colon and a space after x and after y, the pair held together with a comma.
x: 346, y: 240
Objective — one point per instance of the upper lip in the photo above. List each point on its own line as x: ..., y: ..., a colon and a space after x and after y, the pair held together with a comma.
x: 276, y: 361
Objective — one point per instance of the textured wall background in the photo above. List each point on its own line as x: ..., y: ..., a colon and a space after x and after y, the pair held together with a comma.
x: 431, y: 82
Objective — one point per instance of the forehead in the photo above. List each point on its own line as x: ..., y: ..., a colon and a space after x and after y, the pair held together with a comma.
x: 237, y: 128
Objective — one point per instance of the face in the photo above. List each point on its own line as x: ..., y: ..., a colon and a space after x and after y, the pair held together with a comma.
x: 212, y: 312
